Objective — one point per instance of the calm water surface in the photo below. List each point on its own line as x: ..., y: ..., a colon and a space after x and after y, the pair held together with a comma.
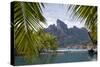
x: 46, y: 58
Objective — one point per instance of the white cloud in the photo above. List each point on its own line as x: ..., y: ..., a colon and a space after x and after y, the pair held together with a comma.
x: 52, y: 12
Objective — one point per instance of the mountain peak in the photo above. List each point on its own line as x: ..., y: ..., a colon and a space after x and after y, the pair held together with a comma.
x: 75, y: 27
x: 61, y: 25
x: 68, y: 36
x: 60, y: 21
x: 52, y: 26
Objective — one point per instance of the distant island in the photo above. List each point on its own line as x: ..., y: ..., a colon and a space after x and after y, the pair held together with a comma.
x: 69, y: 37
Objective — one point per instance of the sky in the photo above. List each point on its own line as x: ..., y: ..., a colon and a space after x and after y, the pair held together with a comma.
x: 52, y: 12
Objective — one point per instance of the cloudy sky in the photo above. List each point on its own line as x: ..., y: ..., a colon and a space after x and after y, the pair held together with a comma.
x: 52, y: 12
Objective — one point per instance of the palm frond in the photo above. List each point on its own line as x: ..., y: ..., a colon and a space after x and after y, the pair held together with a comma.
x: 28, y: 18
x: 30, y: 38
x: 87, y: 14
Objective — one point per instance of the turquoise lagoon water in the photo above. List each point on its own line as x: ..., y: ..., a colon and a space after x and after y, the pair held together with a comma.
x: 62, y: 57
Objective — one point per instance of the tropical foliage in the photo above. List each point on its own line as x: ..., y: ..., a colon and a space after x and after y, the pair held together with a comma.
x: 28, y: 25
x: 87, y: 14
x: 45, y: 40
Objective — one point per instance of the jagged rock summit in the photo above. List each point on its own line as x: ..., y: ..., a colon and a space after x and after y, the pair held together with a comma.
x: 68, y: 36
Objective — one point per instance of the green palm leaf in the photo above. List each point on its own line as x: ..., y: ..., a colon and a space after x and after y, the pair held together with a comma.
x: 29, y: 36
x: 28, y: 19
x: 87, y: 14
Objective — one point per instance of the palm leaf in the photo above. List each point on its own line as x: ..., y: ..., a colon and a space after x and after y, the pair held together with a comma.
x: 30, y: 38
x: 87, y: 14
x: 28, y: 19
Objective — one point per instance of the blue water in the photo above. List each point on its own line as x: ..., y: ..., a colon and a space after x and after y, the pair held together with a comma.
x: 47, y: 58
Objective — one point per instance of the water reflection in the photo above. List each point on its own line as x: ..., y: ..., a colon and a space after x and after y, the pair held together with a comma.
x: 46, y: 58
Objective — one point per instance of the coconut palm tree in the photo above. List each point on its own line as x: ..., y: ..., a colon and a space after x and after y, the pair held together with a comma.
x: 88, y: 14
x: 45, y: 40
x: 28, y: 20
